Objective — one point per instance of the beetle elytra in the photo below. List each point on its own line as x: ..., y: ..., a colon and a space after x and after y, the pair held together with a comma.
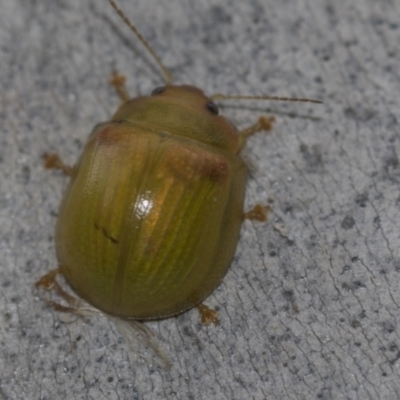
x: 150, y: 220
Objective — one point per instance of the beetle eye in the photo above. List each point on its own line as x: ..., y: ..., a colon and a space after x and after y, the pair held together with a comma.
x: 212, y: 107
x: 158, y: 90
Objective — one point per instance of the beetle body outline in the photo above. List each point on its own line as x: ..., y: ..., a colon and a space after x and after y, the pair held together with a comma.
x: 203, y: 155
x: 150, y: 220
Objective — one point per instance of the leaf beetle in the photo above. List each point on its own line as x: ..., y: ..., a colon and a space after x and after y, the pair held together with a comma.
x: 151, y: 217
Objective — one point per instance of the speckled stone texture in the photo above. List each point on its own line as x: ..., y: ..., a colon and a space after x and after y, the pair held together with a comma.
x: 310, y: 306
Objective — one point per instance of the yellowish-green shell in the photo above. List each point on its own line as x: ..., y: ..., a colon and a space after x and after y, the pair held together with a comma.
x: 150, y: 220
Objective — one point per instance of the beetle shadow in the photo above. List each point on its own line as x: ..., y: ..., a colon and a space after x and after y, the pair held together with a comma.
x: 137, y: 335
x: 140, y: 339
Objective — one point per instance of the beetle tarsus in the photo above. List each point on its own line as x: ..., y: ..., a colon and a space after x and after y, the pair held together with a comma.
x: 208, y: 315
x: 53, y: 161
x: 48, y: 282
x: 258, y: 213
x: 119, y: 82
x: 263, y: 124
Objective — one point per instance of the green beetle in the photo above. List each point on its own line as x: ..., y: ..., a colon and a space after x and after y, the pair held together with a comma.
x: 150, y: 220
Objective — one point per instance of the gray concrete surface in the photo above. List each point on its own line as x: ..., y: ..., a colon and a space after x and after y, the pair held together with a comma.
x: 310, y: 306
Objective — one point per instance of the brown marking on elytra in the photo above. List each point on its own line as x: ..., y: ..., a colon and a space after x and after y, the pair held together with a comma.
x: 216, y: 169
x: 190, y: 165
x: 109, y: 135
x: 106, y: 234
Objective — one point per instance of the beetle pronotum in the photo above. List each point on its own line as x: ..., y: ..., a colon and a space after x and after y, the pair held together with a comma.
x: 150, y: 220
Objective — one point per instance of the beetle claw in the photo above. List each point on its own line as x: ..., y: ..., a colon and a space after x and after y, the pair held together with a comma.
x: 208, y: 315
x: 258, y: 213
x: 53, y: 160
x: 263, y: 124
x: 60, y: 307
x: 49, y: 282
x: 118, y: 81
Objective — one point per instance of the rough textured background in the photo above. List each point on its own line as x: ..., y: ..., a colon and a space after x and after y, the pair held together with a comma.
x: 310, y: 306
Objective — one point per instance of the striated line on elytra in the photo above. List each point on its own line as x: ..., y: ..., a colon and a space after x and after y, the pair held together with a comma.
x: 169, y: 239
x: 191, y: 214
x: 155, y: 263
x: 174, y: 240
x: 163, y: 199
x: 145, y: 262
x: 127, y: 241
x: 158, y: 263
x: 214, y: 212
x: 106, y: 234
x: 119, y: 204
x: 209, y: 191
x: 92, y: 211
x: 96, y: 252
x: 150, y: 267
x: 103, y: 219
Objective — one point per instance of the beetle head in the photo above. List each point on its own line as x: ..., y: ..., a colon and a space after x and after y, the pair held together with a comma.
x: 181, y: 111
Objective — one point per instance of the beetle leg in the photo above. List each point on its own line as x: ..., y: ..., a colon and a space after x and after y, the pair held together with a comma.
x: 49, y: 282
x: 60, y: 307
x: 263, y: 124
x: 208, y: 315
x: 258, y: 213
x: 118, y: 81
x: 53, y: 160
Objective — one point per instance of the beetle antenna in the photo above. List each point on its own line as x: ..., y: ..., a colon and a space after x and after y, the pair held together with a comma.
x: 167, y: 74
x: 219, y: 96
